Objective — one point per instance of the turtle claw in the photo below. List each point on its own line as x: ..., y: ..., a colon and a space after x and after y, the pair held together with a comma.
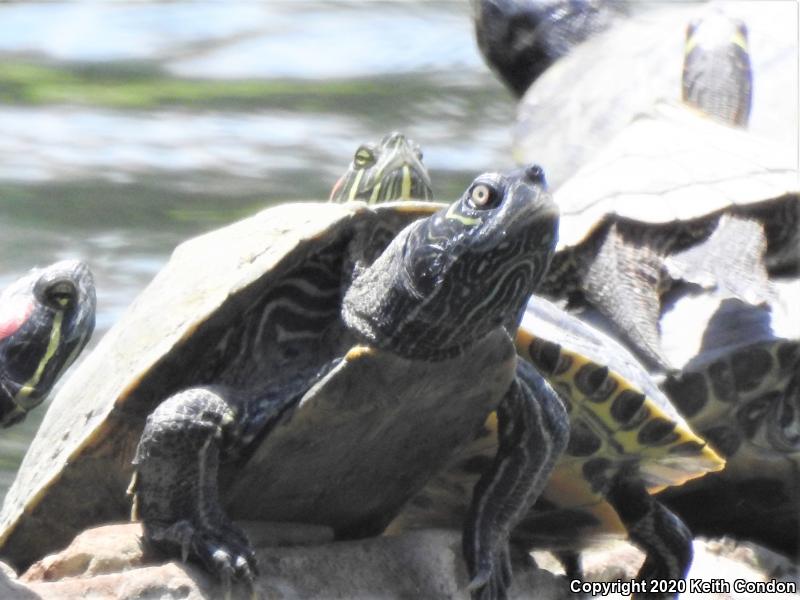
x: 480, y: 580
x: 493, y: 579
x: 506, y: 574
x: 246, y: 567
x: 225, y: 552
x: 230, y: 570
x: 229, y: 561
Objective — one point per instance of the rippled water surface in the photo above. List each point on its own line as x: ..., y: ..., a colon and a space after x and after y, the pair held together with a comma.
x: 126, y: 128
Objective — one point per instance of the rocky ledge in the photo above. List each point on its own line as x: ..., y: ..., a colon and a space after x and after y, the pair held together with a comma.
x: 296, y: 561
x: 109, y: 563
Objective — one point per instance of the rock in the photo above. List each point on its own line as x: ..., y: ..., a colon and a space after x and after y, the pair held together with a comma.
x: 117, y: 548
x: 10, y: 588
x: 717, y: 566
x: 109, y: 562
x: 302, y: 562
x: 96, y: 551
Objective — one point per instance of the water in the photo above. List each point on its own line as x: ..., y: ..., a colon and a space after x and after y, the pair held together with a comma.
x: 127, y: 128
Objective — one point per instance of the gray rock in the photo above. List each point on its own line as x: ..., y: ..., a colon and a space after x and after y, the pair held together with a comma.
x: 718, y: 564
x: 10, y: 588
x: 109, y: 562
x: 301, y: 562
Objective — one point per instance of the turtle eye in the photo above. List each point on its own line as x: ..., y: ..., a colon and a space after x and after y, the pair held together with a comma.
x: 61, y: 294
x: 483, y: 196
x: 364, y: 157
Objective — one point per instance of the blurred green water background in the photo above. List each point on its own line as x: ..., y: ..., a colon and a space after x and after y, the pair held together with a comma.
x: 126, y: 128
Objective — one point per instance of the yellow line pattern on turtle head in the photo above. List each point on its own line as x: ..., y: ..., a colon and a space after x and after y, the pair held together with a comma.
x: 354, y: 186
x: 456, y: 216
x: 405, y: 190
x: 740, y: 40
x: 29, y: 386
x: 376, y: 192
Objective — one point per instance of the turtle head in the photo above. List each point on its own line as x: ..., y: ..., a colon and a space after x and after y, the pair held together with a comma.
x: 717, y: 74
x: 448, y: 280
x: 391, y: 170
x: 46, y: 319
x: 715, y: 29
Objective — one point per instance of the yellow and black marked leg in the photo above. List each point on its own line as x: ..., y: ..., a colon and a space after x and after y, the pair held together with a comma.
x: 533, y: 429
x: 176, y: 490
x: 665, y: 539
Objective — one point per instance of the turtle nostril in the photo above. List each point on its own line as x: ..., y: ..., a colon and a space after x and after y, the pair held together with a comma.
x: 535, y: 173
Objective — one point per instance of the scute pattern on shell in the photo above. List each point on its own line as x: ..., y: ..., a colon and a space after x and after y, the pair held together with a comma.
x: 599, y: 398
x: 614, y: 425
x: 731, y: 398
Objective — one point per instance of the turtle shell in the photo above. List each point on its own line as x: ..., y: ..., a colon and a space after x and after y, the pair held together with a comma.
x: 367, y: 436
x: 670, y: 166
x: 187, y: 329
x: 618, y: 417
x: 739, y: 387
x: 589, y: 96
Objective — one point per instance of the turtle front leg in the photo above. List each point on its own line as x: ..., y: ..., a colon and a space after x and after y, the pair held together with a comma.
x: 665, y: 539
x: 175, y: 485
x: 533, y: 429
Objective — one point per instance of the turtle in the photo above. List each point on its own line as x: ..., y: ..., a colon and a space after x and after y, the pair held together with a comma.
x: 389, y: 170
x: 590, y: 95
x: 738, y: 384
x: 519, y: 40
x: 46, y: 319
x: 717, y: 76
x: 674, y: 198
x: 660, y: 187
x: 627, y: 442
x: 359, y: 370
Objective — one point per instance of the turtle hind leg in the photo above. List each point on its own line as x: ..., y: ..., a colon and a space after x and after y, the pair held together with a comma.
x: 533, y: 429
x: 730, y: 260
x: 176, y: 492
x: 665, y: 539
x: 624, y: 283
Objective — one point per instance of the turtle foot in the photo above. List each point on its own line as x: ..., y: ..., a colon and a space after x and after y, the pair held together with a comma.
x: 493, y: 578
x: 224, y: 550
x: 175, y: 486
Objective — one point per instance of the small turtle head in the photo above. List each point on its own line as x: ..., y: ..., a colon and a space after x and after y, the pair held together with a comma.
x: 717, y: 75
x: 446, y: 281
x: 391, y: 170
x: 46, y: 319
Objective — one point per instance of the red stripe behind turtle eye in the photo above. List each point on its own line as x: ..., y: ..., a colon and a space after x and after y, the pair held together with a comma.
x: 336, y: 187
x: 13, y: 316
